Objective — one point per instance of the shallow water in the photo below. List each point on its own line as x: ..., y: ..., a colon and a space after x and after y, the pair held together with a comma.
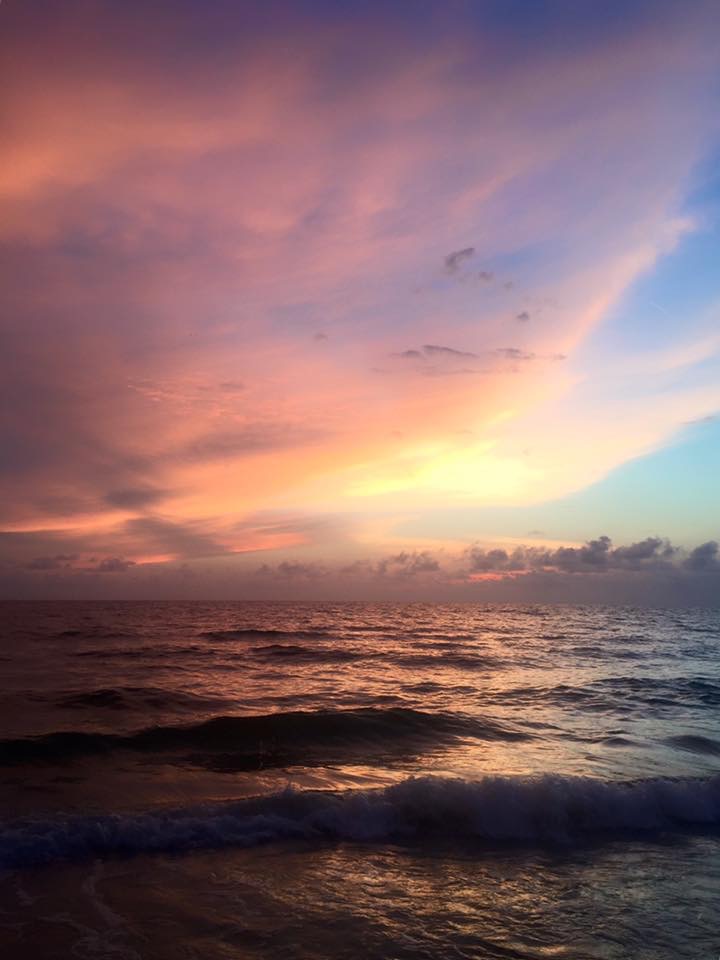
x: 359, y: 780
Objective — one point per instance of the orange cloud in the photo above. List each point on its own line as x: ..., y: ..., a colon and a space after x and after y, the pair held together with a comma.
x: 190, y: 223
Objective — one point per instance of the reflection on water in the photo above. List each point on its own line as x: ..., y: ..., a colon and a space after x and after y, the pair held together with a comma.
x: 612, y: 693
x: 133, y: 728
x: 362, y: 903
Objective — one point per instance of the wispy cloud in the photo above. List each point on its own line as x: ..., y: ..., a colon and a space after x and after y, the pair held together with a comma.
x: 454, y: 260
x: 435, y: 350
x: 224, y: 242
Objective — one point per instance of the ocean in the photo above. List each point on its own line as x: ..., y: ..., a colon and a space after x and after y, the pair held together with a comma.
x: 359, y: 780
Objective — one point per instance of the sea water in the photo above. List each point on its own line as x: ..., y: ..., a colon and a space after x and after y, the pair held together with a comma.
x: 255, y: 780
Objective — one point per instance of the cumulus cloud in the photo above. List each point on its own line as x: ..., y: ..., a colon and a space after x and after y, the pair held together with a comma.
x: 292, y: 570
x: 651, y: 548
x: 495, y: 561
x: 595, y: 556
x: 651, y: 571
x: 406, y: 565
x: 704, y: 558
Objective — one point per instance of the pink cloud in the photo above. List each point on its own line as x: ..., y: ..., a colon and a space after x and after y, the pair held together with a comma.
x: 177, y: 223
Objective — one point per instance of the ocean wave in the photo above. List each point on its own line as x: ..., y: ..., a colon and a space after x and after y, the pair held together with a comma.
x: 146, y: 652
x: 494, y: 810
x: 297, y: 652
x: 90, y: 633
x: 309, y: 738
x: 252, y: 633
x: 695, y: 743
x: 331, y: 654
x: 458, y: 660
x: 134, y: 697
x: 619, y: 693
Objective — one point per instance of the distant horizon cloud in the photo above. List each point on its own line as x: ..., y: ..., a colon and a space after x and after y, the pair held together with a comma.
x: 642, y: 569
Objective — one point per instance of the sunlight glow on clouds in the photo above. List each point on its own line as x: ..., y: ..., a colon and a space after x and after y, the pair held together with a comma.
x: 333, y: 265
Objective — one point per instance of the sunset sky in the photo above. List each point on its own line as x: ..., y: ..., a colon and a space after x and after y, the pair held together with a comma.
x: 369, y: 300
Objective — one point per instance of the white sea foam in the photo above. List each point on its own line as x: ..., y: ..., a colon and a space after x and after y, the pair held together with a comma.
x: 494, y: 809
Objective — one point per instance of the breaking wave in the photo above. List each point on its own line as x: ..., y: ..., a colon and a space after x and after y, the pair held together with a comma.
x: 493, y: 810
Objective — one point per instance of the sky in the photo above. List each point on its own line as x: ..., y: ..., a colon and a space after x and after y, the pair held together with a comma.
x: 326, y: 300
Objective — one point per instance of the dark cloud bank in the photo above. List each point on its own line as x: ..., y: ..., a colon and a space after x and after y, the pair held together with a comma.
x: 648, y: 572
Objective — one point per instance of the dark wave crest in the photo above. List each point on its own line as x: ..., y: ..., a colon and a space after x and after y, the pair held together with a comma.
x: 134, y: 697
x: 459, y: 661
x: 321, y: 738
x: 147, y: 652
x: 247, y: 633
x: 300, y: 653
x: 621, y: 693
x: 494, y: 810
x: 695, y: 743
